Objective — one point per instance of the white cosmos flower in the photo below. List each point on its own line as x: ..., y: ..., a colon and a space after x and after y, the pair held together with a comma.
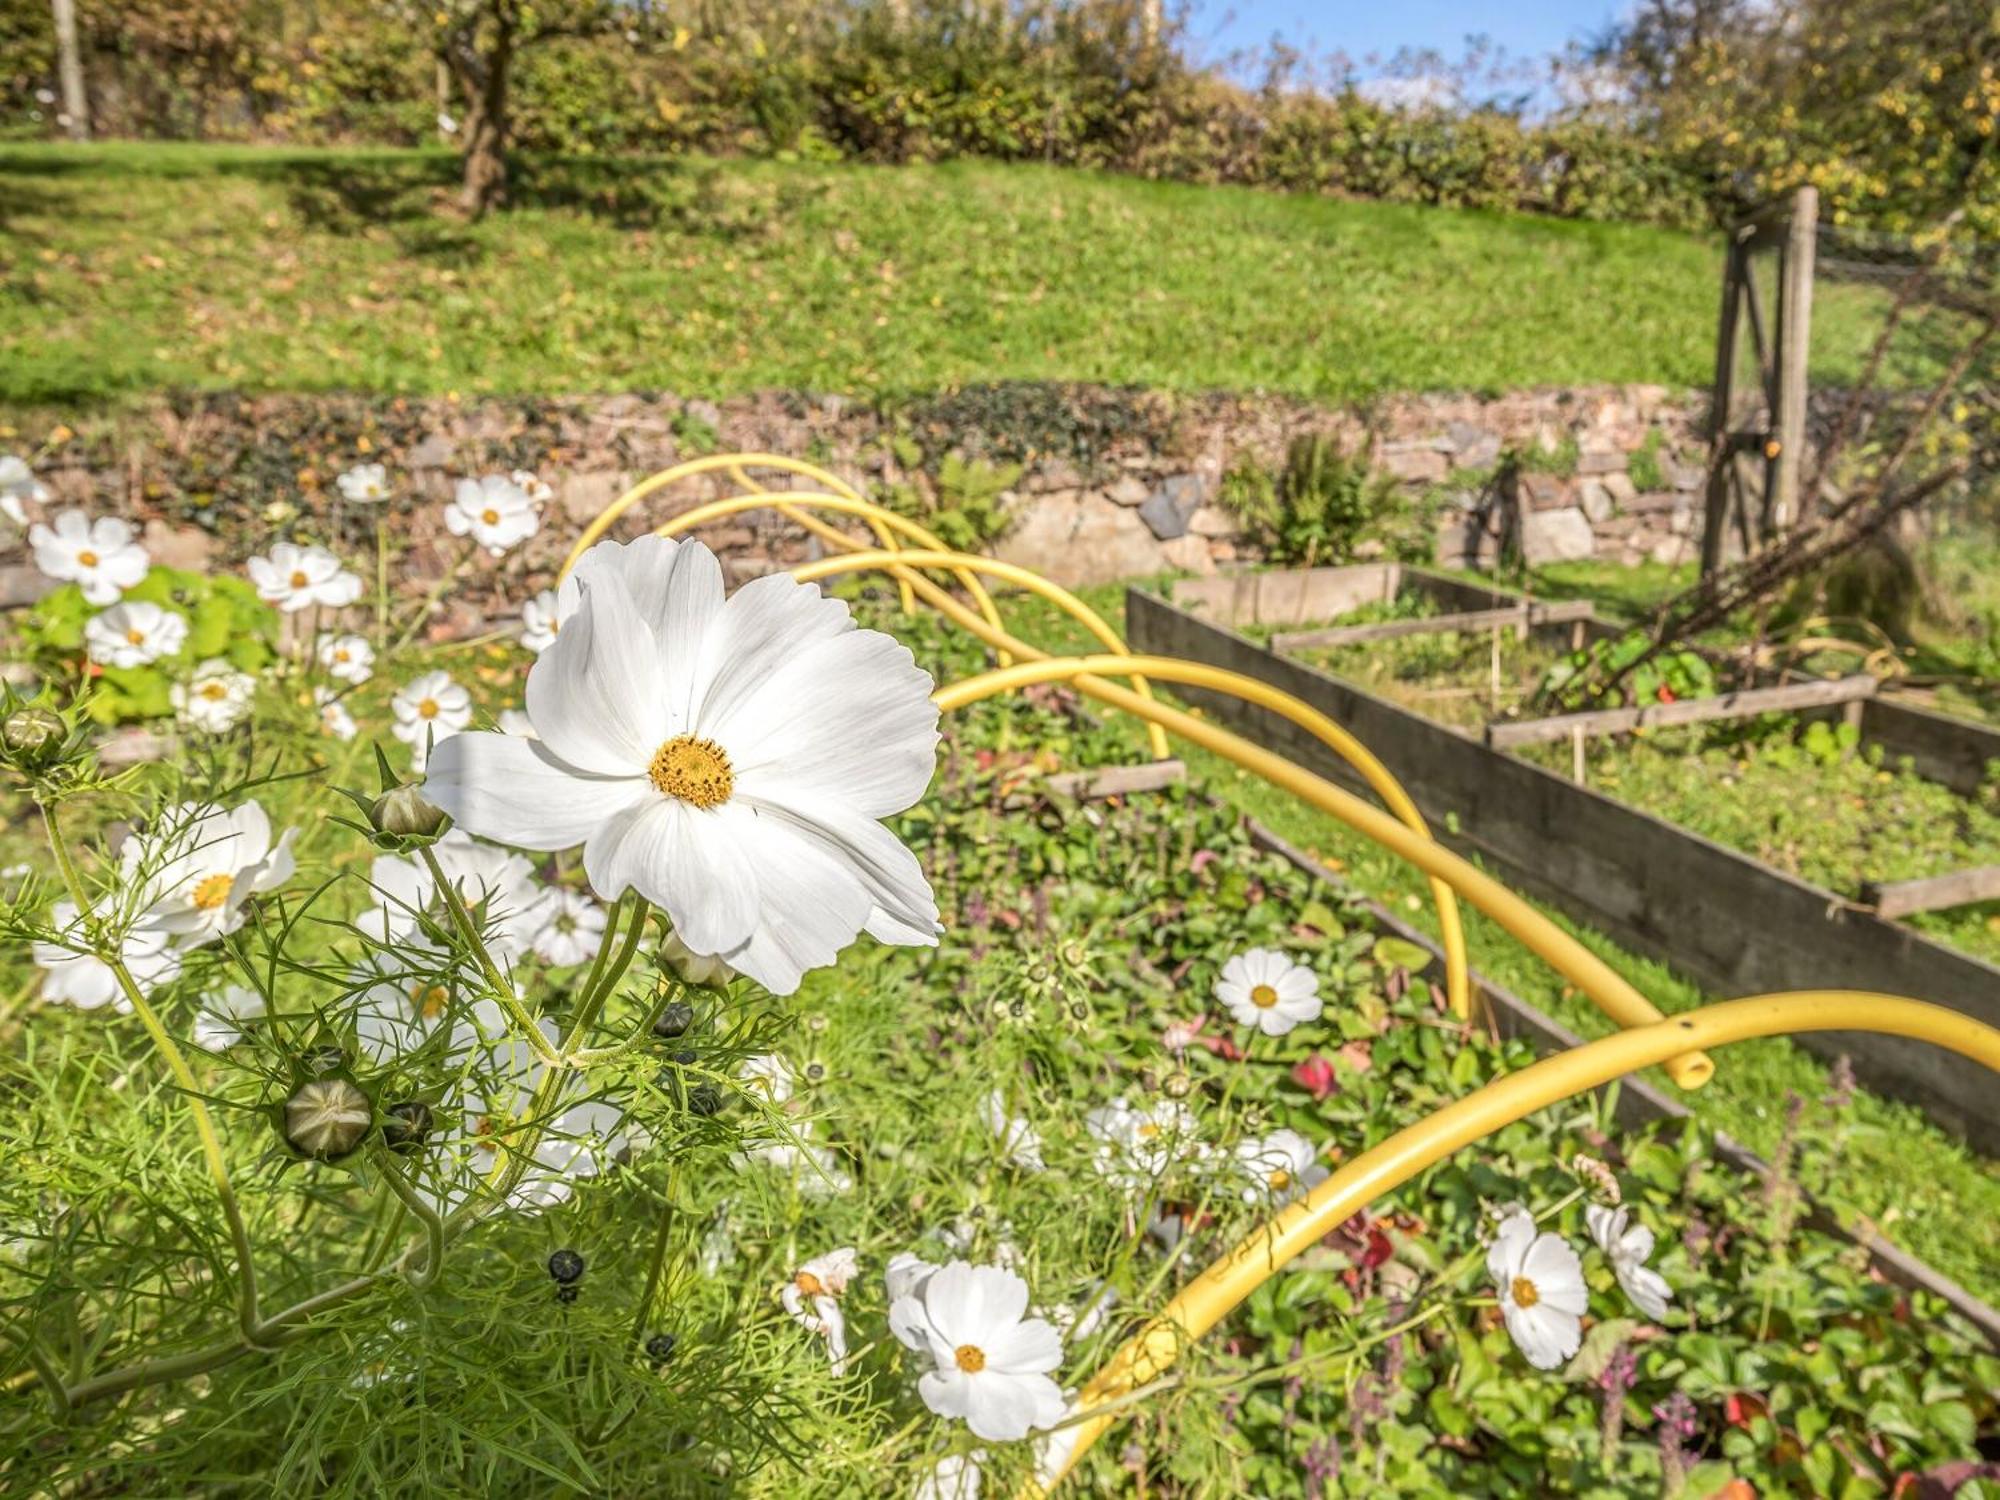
x: 991, y: 1363
x: 729, y: 760
x: 693, y: 967
x: 99, y: 556
x: 498, y: 888
x: 538, y: 622
x: 295, y: 578
x: 429, y: 711
x: 402, y: 1006
x: 17, y: 486
x: 494, y: 511
x: 1627, y: 1246
x: 531, y: 484
x: 215, y: 698
x: 812, y: 1297
x: 1136, y: 1146
x: 221, y: 1021
x: 1019, y: 1144
x: 906, y: 1275
x: 198, y: 866
x: 334, y: 718
x: 364, y: 484
x: 1281, y: 1166
x: 571, y: 929
x: 133, y: 633
x: 73, y: 976
x: 957, y: 1476
x: 1542, y: 1293
x: 1265, y: 989
x: 347, y: 658
x: 770, y: 1076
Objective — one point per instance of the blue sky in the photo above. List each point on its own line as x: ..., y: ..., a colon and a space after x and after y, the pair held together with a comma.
x: 1527, y: 29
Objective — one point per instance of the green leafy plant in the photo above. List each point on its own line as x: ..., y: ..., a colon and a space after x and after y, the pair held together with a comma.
x: 1317, y: 508
x: 226, y: 620
x: 963, y: 504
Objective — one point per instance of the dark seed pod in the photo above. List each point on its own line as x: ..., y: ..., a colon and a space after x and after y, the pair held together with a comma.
x: 816, y: 1072
x: 704, y: 1100
x: 567, y: 1293
x: 660, y: 1347
x: 406, y: 1126
x: 326, y: 1118
x: 674, y: 1021
x: 565, y: 1266
x: 687, y: 1057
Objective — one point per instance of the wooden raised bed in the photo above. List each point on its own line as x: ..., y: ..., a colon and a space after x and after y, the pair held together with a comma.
x: 1730, y: 922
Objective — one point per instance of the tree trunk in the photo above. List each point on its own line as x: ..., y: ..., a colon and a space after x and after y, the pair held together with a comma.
x: 69, y: 72
x: 485, y: 183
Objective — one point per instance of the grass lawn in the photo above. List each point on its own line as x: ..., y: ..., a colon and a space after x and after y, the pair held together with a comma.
x: 128, y: 268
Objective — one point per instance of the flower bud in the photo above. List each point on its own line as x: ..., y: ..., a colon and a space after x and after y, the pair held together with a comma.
x: 406, y: 1126
x: 692, y: 967
x: 327, y: 1118
x: 34, y: 738
x: 403, y: 812
x: 674, y: 1020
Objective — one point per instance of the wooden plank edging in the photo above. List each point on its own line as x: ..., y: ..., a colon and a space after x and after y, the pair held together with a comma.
x: 1902, y: 898
x: 1787, y: 696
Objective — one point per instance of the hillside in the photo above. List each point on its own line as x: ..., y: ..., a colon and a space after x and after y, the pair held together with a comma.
x: 313, y: 271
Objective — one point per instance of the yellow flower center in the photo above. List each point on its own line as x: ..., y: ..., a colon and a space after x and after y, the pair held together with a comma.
x: 88, y: 559
x: 136, y: 637
x: 693, y: 770
x: 429, y: 1000
x: 1263, y: 997
x: 970, y: 1357
x: 1147, y: 1131
x: 809, y: 1285
x: 490, y: 517
x: 1279, y: 1180
x: 341, y: 655
x: 299, y: 579
x: 213, y: 691
x: 1524, y: 1292
x: 428, y: 709
x: 211, y: 892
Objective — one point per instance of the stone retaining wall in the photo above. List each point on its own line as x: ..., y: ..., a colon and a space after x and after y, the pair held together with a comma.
x: 1116, y: 484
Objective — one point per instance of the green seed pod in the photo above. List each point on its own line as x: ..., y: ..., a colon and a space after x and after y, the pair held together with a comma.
x: 405, y: 814
x: 326, y: 1118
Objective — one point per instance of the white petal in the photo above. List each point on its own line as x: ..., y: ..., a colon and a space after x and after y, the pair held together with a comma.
x: 684, y: 859
x: 595, y: 694
x: 811, y: 906
x: 517, y: 791
x: 676, y: 588
x: 904, y: 911
x: 765, y: 624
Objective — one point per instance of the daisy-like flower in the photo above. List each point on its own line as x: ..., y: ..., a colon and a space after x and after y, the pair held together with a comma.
x: 1626, y: 1246
x: 295, y: 578
x: 71, y: 975
x: 497, y: 886
x: 223, y: 1018
x: 957, y: 1476
x: 133, y: 633
x: 769, y: 1076
x: 334, y: 719
x: 1281, y: 1166
x: 538, y: 622
x: 401, y: 1007
x: 728, y: 760
x: 99, y: 557
x: 18, y: 485
x: 199, y: 865
x: 347, y: 658
x: 991, y: 1363
x: 364, y: 484
x: 1542, y: 1293
x: 1019, y: 1144
x: 812, y: 1297
x: 1265, y: 989
x: 215, y: 698
x: 429, y: 712
x: 494, y: 511
x: 906, y: 1275
x: 571, y: 929
x: 1136, y: 1146
x: 533, y: 486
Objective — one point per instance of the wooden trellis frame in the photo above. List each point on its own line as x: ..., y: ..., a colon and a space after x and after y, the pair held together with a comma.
x: 1757, y: 435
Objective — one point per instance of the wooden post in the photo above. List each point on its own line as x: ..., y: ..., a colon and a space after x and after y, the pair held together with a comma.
x: 1721, y: 423
x: 69, y: 72
x: 1788, y: 422
x: 1576, y: 755
x: 1495, y: 660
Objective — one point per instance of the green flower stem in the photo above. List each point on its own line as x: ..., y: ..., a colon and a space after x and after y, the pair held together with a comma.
x: 503, y: 992
x: 381, y: 584
x: 656, y: 1267
x: 204, y: 1124
x: 45, y: 1370
x: 422, y: 1276
x: 601, y: 986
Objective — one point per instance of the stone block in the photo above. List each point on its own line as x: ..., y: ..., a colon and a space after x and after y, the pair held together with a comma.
x: 1214, y: 521
x: 1415, y: 463
x: 1472, y: 446
x: 434, y: 452
x: 1544, y: 492
x: 1595, y: 500
x: 23, y: 586
x: 1188, y: 554
x: 1556, y: 536
x: 1600, y: 462
x: 1085, y: 538
x: 1619, y: 487
x: 1655, y: 500
x: 1129, y: 489
x: 1686, y: 477
x: 1169, y: 509
x: 178, y: 546
x: 584, y: 494
x: 1461, y: 542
